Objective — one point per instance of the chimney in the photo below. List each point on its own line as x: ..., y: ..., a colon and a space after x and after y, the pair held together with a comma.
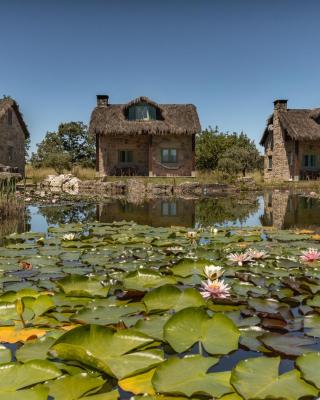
x: 280, y: 104
x: 102, y: 100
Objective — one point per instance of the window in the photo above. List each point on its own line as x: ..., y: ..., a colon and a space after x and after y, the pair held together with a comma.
x: 309, y: 160
x: 169, y: 155
x: 168, y: 209
x: 125, y: 156
x: 142, y: 112
x: 10, y: 117
x: 269, y: 162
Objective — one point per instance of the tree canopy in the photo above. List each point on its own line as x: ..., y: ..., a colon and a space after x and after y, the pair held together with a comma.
x: 69, y: 146
x: 228, y: 152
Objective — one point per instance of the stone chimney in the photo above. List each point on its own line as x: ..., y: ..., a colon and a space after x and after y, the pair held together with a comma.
x: 280, y: 104
x: 102, y: 100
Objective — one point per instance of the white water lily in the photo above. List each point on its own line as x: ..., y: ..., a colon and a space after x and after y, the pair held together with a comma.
x: 213, y: 271
x: 69, y: 236
x: 191, y: 234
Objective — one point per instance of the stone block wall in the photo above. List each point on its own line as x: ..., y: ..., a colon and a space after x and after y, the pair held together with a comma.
x: 108, y: 153
x: 146, y: 151
x: 185, y: 155
x: 12, y: 143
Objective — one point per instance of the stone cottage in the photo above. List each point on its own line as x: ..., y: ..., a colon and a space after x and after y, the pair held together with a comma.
x: 144, y: 138
x: 291, y: 141
x: 13, y: 133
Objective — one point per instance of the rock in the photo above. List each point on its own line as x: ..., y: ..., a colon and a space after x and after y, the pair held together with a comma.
x: 71, y: 186
x: 57, y: 180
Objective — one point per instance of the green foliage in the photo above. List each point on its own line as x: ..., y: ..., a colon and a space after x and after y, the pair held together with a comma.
x: 69, y: 146
x: 228, y: 152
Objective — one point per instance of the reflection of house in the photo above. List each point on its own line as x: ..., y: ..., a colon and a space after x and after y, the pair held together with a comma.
x: 283, y: 210
x: 292, y: 143
x: 13, y: 132
x: 144, y: 138
x: 154, y: 213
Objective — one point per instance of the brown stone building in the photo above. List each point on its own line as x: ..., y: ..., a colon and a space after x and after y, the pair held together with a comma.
x: 144, y: 138
x: 13, y: 133
x: 292, y: 144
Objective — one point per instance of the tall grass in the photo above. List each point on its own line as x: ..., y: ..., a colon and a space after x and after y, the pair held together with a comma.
x: 37, y: 175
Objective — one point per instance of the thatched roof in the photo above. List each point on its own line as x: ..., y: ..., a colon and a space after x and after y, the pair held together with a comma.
x: 300, y: 124
x: 7, y: 103
x: 172, y: 119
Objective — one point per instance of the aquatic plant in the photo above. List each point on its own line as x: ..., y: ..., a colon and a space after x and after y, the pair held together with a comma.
x: 310, y: 255
x: 214, y: 289
x: 239, y: 258
x: 213, y: 271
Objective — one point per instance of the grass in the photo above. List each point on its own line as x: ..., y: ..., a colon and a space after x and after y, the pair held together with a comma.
x: 37, y: 175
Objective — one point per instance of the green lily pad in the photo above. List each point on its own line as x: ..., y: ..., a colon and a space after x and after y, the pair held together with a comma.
x: 309, y: 365
x: 188, y: 376
x: 219, y: 335
x: 82, y: 286
x: 258, y: 378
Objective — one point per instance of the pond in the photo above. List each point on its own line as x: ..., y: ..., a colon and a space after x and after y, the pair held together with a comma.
x: 281, y: 210
x: 167, y: 307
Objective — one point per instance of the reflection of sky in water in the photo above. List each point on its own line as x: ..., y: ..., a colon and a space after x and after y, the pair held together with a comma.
x: 38, y: 222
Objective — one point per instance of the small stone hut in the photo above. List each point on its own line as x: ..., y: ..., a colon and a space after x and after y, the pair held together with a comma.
x: 13, y: 133
x: 144, y: 138
x: 291, y: 141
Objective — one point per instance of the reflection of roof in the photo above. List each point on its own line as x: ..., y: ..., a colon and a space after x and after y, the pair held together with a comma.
x: 172, y: 119
x: 300, y: 124
x: 7, y: 103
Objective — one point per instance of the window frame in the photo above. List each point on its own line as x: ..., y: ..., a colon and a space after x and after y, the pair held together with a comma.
x: 169, y: 209
x: 150, y: 111
x: 126, y: 153
x: 309, y: 161
x: 270, y: 163
x: 169, y: 159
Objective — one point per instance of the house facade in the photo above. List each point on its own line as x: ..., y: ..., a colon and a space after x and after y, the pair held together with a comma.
x: 144, y: 138
x: 13, y: 133
x: 291, y: 141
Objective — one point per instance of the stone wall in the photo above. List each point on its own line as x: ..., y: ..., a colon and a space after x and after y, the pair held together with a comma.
x: 184, y: 165
x: 12, y: 141
x: 108, y: 154
x: 146, y: 151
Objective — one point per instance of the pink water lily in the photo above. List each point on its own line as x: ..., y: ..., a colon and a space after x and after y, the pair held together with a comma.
x: 257, y: 254
x: 310, y: 255
x: 214, y: 289
x: 239, y: 258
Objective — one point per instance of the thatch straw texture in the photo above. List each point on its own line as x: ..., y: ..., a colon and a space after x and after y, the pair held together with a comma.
x: 172, y: 119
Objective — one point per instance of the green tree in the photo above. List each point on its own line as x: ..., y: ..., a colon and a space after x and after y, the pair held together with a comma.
x: 228, y: 152
x: 69, y: 146
x: 239, y: 159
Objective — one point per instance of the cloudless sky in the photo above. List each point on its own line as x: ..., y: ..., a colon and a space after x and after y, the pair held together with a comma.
x: 231, y: 58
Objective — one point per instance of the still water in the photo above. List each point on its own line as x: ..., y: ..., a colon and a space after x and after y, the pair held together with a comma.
x: 281, y: 210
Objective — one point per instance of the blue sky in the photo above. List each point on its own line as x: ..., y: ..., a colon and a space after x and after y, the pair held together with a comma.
x: 231, y: 58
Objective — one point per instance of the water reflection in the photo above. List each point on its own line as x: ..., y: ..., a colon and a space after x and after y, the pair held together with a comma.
x: 13, y: 217
x: 279, y: 209
x: 283, y: 210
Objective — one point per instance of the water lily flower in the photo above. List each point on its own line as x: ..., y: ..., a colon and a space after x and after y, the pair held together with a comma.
x: 310, y: 255
x: 191, y: 235
x: 257, y: 254
x: 214, y: 230
x: 69, y: 236
x: 239, y: 258
x: 213, y: 271
x: 214, y: 289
